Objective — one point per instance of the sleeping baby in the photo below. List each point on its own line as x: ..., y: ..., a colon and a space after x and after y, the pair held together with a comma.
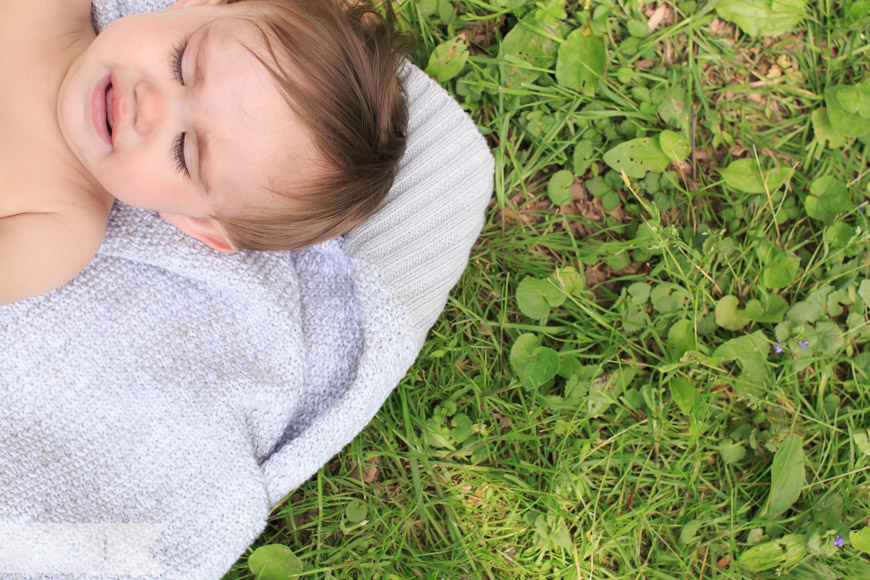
x: 249, y: 124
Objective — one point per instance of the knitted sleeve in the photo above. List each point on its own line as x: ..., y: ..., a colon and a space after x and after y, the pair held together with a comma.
x: 420, y: 243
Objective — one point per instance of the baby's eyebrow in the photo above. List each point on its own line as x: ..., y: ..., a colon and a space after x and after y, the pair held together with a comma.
x: 201, y: 141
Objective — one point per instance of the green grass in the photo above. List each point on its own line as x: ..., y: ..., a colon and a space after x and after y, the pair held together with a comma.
x: 649, y: 453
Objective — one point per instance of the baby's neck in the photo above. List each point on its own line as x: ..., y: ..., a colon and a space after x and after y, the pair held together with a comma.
x: 37, y: 49
x: 71, y: 56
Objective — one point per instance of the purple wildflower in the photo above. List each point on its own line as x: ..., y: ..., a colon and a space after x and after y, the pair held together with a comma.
x: 777, y: 348
x: 803, y: 344
x: 838, y: 541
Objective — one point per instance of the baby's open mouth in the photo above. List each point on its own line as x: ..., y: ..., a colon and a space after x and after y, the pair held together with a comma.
x: 110, y: 114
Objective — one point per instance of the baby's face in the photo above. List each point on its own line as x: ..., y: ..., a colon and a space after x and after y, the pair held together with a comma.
x: 169, y: 111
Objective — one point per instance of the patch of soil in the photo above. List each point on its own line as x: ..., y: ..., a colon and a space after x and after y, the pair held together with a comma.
x: 481, y: 35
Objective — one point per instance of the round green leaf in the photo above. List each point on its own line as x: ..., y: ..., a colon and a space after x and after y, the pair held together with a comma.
x: 533, y: 365
x: 828, y: 198
x: 848, y: 99
x: 674, y: 145
x: 804, y: 311
x: 448, y: 59
x: 688, y: 532
x: 618, y: 261
x: 681, y: 337
x: 843, y: 122
x: 795, y: 546
x: 676, y: 107
x: 637, y: 156
x: 762, y: 17
x: 786, y: 551
x: 864, y: 99
x: 637, y: 28
x: 583, y: 156
x: 538, y: 123
x: 274, y: 562
x: 559, y: 187
x: 761, y: 557
x: 773, y: 311
x: 864, y: 292
x: 356, y: 511
x: 639, y: 293
x: 610, y: 200
x: 828, y: 187
x: 526, y: 51
x: 604, y: 390
x: 838, y: 235
x: 860, y: 539
x: 535, y: 297
x: 597, y: 186
x: 581, y: 62
x: 683, y: 393
x: 824, y: 132
x: 667, y: 297
x: 787, y: 475
x: 730, y: 451
x: 569, y: 366
x: 780, y: 271
x: 531, y: 300
x: 728, y: 316
x: 569, y: 280
x: 828, y: 511
x: 521, y: 351
x: 830, y: 338
x: 427, y: 8
x: 743, y: 175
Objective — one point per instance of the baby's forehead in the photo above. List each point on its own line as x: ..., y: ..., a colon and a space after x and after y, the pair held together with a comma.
x: 239, y: 34
x: 262, y: 145
x: 248, y: 27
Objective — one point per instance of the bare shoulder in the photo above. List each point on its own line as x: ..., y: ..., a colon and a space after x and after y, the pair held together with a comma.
x: 42, y: 251
x: 53, y: 17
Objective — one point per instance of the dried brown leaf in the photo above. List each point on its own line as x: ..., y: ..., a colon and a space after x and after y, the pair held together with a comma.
x: 657, y: 17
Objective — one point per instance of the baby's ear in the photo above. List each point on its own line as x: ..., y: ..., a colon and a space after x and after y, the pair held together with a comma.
x: 183, y: 3
x: 209, y: 231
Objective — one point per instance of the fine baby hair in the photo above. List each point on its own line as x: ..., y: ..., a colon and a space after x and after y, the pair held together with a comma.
x: 342, y: 82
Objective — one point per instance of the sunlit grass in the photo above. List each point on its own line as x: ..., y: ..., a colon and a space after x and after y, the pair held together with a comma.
x: 467, y: 473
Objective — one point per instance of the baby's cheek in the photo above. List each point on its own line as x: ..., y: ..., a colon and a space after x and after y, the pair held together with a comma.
x: 133, y: 186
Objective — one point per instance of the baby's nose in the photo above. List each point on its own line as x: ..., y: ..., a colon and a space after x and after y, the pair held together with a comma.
x: 150, y: 107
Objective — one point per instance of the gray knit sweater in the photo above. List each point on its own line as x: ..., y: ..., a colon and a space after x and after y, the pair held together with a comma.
x: 155, y: 408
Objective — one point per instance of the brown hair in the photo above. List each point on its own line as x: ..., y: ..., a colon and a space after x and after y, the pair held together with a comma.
x: 344, y: 87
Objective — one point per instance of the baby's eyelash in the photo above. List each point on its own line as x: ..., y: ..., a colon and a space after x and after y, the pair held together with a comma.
x: 177, y: 53
x: 178, y: 151
x: 178, y: 145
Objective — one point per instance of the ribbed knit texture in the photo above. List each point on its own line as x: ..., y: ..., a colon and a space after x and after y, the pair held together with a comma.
x: 168, y: 384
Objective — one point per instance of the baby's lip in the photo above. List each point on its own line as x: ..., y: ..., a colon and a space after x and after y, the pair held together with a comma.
x: 117, y: 108
x: 112, y: 109
x: 98, y: 109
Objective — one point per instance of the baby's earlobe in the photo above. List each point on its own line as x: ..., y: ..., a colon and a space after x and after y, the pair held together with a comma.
x: 209, y: 231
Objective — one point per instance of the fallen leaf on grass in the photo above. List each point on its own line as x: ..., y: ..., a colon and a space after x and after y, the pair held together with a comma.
x: 657, y: 18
